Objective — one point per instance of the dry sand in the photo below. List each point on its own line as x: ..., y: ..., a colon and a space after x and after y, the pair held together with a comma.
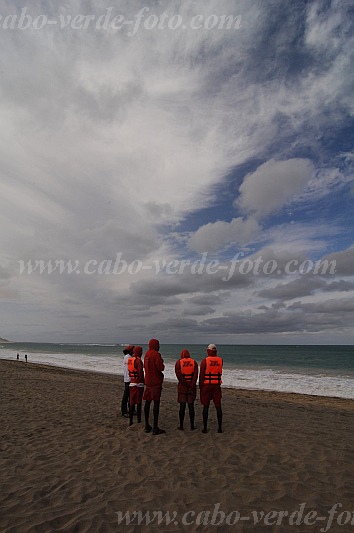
x: 69, y: 463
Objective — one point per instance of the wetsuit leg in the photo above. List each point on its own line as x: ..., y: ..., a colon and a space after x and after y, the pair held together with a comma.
x: 219, y: 416
x: 205, y: 418
x: 125, y: 400
x: 182, y: 411
x: 131, y: 414
x: 156, y: 430
x: 146, y: 415
x: 138, y: 411
x: 191, y: 414
x: 156, y: 411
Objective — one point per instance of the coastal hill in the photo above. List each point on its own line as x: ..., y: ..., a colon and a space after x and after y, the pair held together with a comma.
x: 3, y: 340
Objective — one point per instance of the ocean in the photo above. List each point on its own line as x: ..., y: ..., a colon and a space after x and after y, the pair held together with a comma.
x: 313, y: 370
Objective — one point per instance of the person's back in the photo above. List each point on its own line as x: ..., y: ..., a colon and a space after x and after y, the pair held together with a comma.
x: 211, y: 370
x: 153, y: 366
x: 210, y: 385
x: 128, y: 351
x: 186, y: 370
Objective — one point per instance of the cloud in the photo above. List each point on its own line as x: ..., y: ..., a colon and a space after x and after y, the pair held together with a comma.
x: 341, y: 285
x: 252, y: 322
x: 329, y: 317
x: 191, y: 283
x: 344, y: 261
x: 306, y: 285
x: 343, y: 308
x: 209, y: 299
x: 199, y: 310
x: 272, y: 185
x: 109, y: 142
x: 324, y: 182
x: 302, y: 286
x: 218, y: 235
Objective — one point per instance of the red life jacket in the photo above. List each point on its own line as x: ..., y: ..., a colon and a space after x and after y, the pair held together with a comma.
x: 187, y: 368
x: 213, y: 370
x: 133, y: 371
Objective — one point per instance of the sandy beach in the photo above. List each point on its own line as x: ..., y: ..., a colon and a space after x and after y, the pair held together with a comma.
x: 69, y: 463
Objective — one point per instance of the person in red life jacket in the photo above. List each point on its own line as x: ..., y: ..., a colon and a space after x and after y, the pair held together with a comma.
x: 128, y: 352
x: 153, y: 366
x: 210, y: 385
x: 136, y: 387
x: 186, y: 370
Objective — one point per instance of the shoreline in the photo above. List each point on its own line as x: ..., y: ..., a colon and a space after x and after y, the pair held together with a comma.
x: 70, y: 462
x: 294, y: 398
x: 173, y: 382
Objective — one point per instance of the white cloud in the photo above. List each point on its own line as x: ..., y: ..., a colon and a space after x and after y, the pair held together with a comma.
x: 325, y: 29
x: 273, y: 184
x: 322, y: 183
x: 308, y: 238
x: 219, y: 235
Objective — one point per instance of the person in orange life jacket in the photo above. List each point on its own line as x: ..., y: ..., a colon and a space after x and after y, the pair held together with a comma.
x: 210, y: 385
x: 186, y: 370
x: 153, y: 366
x: 128, y: 352
x: 136, y: 386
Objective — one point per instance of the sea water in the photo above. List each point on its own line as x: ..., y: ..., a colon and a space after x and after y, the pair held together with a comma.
x: 315, y: 370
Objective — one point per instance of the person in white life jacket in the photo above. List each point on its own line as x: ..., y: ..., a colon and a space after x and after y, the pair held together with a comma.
x: 128, y: 352
x: 186, y: 370
x: 210, y: 385
x: 136, y: 386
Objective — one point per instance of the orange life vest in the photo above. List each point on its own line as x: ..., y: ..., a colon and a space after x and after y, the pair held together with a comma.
x: 187, y: 368
x: 213, y: 370
x: 133, y: 372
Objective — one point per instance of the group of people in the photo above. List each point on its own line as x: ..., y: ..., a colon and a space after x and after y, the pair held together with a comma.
x: 143, y: 381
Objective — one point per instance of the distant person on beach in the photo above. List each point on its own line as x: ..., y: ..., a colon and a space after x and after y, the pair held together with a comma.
x: 186, y: 370
x: 210, y: 385
x: 26, y: 358
x: 18, y: 356
x: 136, y: 386
x: 153, y: 366
x: 128, y: 352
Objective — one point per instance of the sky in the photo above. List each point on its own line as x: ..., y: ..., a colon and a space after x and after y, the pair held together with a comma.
x: 198, y: 180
